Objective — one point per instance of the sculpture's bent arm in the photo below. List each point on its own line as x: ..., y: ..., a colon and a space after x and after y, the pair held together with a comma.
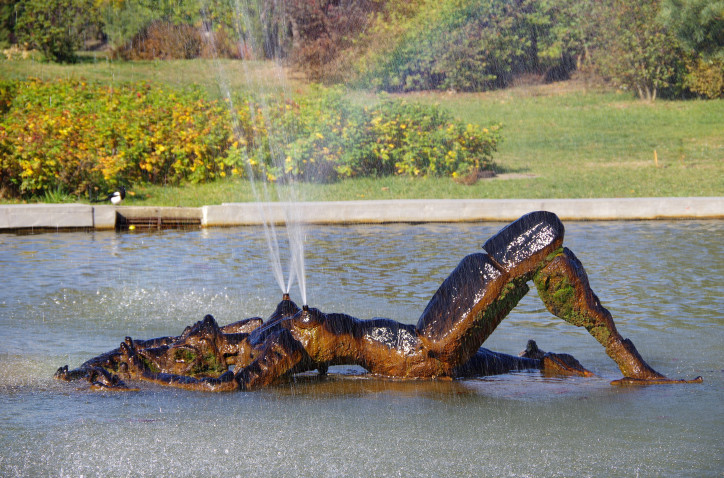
x: 486, y: 362
x: 138, y: 370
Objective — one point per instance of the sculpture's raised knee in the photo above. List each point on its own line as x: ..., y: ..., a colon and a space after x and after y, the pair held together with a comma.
x: 522, y: 246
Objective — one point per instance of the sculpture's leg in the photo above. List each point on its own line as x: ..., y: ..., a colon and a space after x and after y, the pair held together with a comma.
x: 563, y: 286
x: 483, y: 288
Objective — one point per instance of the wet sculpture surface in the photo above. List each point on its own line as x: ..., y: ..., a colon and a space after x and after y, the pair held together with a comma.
x: 445, y: 343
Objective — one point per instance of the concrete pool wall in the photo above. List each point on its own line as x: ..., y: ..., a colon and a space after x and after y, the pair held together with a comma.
x: 84, y: 216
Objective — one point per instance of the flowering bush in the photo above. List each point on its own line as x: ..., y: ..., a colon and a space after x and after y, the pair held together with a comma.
x: 71, y: 136
x: 334, y: 138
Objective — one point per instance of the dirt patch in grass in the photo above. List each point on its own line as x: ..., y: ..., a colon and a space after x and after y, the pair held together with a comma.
x: 507, y: 176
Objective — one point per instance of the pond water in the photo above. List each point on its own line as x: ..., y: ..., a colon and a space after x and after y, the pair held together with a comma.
x: 67, y: 297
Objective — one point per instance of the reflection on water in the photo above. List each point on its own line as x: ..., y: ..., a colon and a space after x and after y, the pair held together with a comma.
x: 67, y: 297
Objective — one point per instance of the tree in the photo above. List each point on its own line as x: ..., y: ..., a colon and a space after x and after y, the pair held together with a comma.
x: 699, y: 27
x: 321, y: 29
x: 122, y: 20
x: 8, y: 12
x: 637, y: 51
x: 56, y: 27
x: 697, y: 24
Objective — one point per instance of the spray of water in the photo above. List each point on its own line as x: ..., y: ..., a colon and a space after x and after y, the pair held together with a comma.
x: 295, y: 231
x: 287, y: 196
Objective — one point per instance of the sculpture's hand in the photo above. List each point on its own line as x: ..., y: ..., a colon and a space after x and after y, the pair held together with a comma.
x: 553, y: 363
x: 62, y: 373
x: 134, y: 366
x: 102, y: 379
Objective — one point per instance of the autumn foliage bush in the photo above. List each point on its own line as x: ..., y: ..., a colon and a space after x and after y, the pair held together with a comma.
x: 166, y: 41
x: 75, y: 136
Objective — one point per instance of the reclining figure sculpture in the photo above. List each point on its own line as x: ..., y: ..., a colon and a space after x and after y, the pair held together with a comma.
x: 445, y: 343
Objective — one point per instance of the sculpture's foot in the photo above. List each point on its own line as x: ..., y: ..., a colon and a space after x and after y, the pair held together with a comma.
x: 62, y: 373
x: 555, y: 364
x: 653, y: 381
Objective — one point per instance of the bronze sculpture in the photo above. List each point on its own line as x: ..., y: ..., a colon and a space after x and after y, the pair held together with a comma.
x: 445, y: 343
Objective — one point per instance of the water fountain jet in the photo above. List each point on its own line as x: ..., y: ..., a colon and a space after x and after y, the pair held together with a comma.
x: 293, y: 224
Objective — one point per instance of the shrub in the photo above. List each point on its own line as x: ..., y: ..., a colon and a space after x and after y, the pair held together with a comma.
x: 73, y: 135
x: 706, y: 78
x: 163, y: 41
x: 166, y: 41
x: 70, y: 136
x: 421, y: 140
x: 7, y: 93
x: 332, y: 138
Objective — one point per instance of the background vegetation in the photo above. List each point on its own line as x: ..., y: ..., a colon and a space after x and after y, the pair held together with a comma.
x: 652, y: 47
x: 102, y: 109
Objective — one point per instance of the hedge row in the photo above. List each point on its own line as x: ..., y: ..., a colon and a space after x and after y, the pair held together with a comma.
x: 74, y: 135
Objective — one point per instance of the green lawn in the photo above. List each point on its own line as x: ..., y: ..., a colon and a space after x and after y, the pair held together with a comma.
x: 213, y: 75
x: 580, y: 143
x: 560, y: 141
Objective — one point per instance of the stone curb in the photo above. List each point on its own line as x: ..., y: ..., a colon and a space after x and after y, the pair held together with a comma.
x: 84, y: 216
x: 461, y: 210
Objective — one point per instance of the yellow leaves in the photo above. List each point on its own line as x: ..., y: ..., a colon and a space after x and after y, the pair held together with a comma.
x: 142, y: 133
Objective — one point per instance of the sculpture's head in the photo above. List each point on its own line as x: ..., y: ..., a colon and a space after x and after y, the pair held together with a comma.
x: 308, y: 317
